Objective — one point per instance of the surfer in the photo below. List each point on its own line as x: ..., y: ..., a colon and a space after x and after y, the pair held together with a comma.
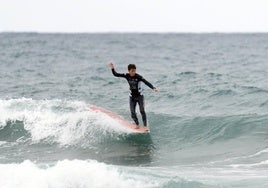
x: 135, y: 95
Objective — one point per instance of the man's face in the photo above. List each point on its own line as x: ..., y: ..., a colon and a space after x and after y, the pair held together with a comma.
x: 132, y: 72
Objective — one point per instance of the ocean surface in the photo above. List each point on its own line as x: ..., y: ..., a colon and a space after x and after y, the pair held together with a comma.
x: 208, y: 122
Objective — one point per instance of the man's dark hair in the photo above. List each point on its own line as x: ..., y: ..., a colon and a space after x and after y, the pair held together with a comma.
x: 131, y: 66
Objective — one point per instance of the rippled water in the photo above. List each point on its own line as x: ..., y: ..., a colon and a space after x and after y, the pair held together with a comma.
x: 208, y: 122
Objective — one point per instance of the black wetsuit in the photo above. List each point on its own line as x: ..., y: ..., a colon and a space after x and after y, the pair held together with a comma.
x: 136, y: 95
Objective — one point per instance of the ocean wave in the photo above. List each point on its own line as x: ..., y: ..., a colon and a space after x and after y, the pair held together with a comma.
x: 91, y: 173
x: 211, y: 129
x: 211, y: 139
x: 69, y: 174
x: 61, y: 121
x: 71, y: 123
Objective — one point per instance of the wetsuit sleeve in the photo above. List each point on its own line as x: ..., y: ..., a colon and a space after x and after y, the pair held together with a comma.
x: 147, y: 83
x: 118, y: 74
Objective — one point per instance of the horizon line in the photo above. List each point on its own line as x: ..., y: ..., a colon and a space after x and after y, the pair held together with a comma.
x: 139, y: 32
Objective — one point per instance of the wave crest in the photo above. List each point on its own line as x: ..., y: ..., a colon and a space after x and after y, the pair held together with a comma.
x: 61, y: 121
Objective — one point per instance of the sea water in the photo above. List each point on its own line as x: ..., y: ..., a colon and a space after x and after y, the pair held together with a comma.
x: 208, y: 122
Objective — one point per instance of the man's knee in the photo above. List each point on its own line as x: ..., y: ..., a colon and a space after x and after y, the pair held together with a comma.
x: 133, y: 114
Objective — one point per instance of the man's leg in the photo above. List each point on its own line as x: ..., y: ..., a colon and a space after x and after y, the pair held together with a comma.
x: 132, y: 105
x: 142, y: 110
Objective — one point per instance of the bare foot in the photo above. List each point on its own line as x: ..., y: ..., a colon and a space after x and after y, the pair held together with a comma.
x: 146, y: 129
x: 137, y: 127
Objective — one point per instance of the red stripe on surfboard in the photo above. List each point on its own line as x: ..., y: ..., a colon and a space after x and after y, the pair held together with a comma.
x: 119, y: 119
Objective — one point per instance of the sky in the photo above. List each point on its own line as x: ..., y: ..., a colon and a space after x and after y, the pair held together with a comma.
x: 133, y: 16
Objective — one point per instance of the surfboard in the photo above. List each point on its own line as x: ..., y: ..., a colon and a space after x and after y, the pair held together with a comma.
x: 120, y: 120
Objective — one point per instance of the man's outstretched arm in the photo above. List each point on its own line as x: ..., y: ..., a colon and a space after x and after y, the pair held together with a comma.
x: 111, y: 65
x: 149, y: 85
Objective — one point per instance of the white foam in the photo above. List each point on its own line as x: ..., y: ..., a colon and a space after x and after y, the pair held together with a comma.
x: 260, y: 153
x: 90, y: 173
x: 212, y: 177
x: 2, y: 143
x: 264, y: 151
x: 65, y: 122
x: 67, y: 174
x: 259, y: 164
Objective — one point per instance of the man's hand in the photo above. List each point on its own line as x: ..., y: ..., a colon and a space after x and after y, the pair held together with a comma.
x: 111, y: 65
x: 155, y: 89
